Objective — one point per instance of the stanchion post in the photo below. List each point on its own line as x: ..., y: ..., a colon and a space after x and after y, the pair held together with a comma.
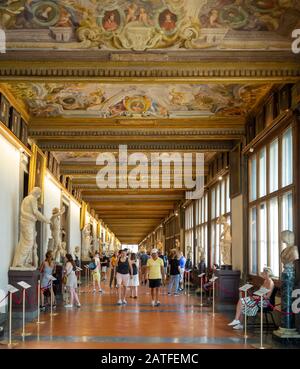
x: 25, y: 286
x: 39, y: 303
x: 11, y: 289
x: 261, y: 293
x: 213, y: 279
x: 201, y: 287
x: 245, y: 289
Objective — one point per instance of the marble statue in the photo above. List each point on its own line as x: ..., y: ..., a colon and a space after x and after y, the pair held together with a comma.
x: 291, y: 252
x: 225, y: 241
x: 288, y: 255
x: 77, y: 253
x: 86, y: 242
x: 55, y: 227
x: 26, y: 252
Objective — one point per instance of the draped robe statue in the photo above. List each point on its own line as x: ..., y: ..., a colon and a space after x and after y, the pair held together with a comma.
x: 26, y: 252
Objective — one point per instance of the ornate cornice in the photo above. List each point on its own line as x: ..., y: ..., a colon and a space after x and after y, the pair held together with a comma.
x: 84, y: 146
x: 127, y: 133
x: 132, y: 72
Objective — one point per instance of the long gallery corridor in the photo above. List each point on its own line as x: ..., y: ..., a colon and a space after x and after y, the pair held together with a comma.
x: 155, y: 139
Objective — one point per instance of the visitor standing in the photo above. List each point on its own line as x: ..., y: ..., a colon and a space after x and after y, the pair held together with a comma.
x: 47, y: 269
x: 124, y: 270
x: 69, y: 271
x: 174, y: 273
x: 182, y: 261
x: 113, y: 264
x: 143, y: 260
x: 96, y: 273
x: 134, y: 280
x: 155, y: 274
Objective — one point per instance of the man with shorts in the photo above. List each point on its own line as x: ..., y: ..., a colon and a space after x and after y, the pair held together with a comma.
x: 155, y: 274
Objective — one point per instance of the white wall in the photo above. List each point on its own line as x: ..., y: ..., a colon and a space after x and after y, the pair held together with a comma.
x: 237, y: 232
x: 9, y: 206
x: 52, y: 199
x: 75, y: 233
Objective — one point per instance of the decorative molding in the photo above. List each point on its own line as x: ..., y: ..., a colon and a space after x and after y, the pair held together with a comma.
x: 111, y: 72
x: 100, y: 133
x: 78, y: 146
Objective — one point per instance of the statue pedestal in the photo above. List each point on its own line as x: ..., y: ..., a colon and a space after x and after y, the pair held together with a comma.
x: 227, y: 289
x: 59, y: 273
x: 31, y: 277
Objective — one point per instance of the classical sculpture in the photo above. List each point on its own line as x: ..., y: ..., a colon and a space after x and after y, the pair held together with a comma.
x: 77, y: 252
x: 55, y: 227
x: 86, y: 242
x: 225, y: 241
x: 26, y: 252
x: 291, y: 252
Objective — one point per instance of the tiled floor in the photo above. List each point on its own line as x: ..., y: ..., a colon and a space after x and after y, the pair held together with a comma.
x: 178, y: 323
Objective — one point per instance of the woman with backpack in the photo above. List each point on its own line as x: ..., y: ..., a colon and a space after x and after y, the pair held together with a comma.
x: 47, y: 269
x: 71, y: 283
x: 134, y: 280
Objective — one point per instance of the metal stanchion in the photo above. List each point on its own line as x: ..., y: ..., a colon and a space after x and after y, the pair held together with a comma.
x: 25, y: 286
x: 201, y: 287
x: 261, y: 293
x: 38, y: 303
x: 245, y: 288
x: 11, y: 290
x: 52, y: 279
x: 213, y: 279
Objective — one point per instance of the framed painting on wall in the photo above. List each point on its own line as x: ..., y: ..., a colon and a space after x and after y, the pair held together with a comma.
x: 15, y: 122
x: 37, y: 171
x: 24, y: 132
x: 4, y: 110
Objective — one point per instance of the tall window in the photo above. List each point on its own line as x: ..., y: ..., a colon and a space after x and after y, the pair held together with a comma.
x: 202, y: 226
x: 271, y: 207
x: 189, y: 228
x: 220, y: 206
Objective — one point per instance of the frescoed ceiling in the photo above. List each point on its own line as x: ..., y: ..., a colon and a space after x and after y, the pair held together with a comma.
x: 153, y: 24
x: 135, y: 101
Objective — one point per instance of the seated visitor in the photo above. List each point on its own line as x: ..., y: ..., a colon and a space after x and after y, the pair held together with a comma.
x: 211, y: 274
x: 251, y: 304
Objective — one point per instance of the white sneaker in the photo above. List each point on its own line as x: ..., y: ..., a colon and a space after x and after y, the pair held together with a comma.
x: 120, y: 302
x: 124, y: 302
x: 153, y: 303
x: 100, y: 291
x: 68, y: 306
x: 94, y: 291
x: 157, y: 303
x: 234, y: 322
x: 239, y: 326
x: 78, y: 305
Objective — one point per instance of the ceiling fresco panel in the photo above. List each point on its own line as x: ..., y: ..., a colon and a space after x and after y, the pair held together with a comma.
x: 136, y: 101
x: 141, y: 25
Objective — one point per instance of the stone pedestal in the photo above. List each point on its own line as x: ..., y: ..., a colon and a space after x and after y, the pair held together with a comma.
x: 227, y: 289
x: 31, y: 277
x: 58, y: 275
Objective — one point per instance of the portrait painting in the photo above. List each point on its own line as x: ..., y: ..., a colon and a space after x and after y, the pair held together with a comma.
x: 167, y: 21
x: 4, y: 110
x: 111, y: 20
x: 45, y: 13
x: 24, y: 132
x: 38, y: 162
x: 15, y: 122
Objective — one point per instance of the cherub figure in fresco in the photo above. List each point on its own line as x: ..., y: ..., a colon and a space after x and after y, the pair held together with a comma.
x: 214, y: 18
x: 131, y: 13
x: 64, y: 19
x: 143, y: 17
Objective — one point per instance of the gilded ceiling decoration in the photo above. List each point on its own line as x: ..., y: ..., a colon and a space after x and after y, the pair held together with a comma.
x: 136, y: 101
x: 149, y: 24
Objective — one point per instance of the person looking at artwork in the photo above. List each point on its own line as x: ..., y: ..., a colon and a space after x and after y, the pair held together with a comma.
x: 124, y: 271
x: 47, y: 269
x: 104, y: 266
x: 251, y: 304
x: 69, y: 271
x: 182, y: 261
x: 155, y: 272
x: 96, y: 273
x: 143, y: 259
x: 134, y: 280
